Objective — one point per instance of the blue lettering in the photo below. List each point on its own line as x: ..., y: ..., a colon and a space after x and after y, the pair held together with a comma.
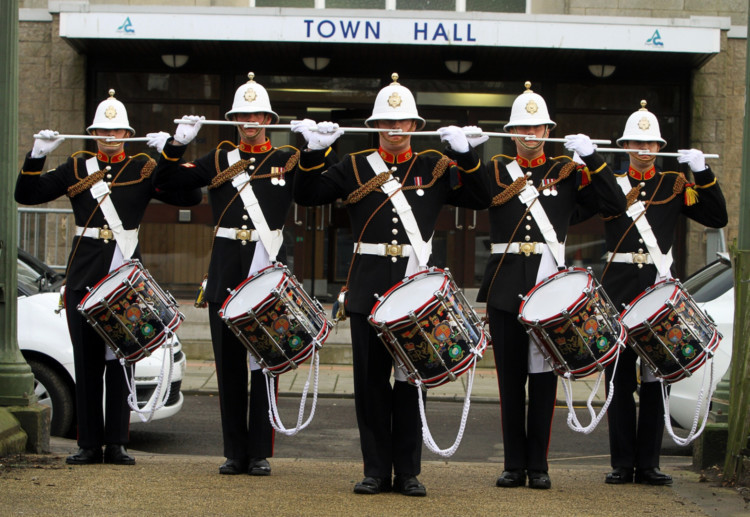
x: 468, y: 33
x: 348, y: 28
x: 330, y: 25
x: 308, y: 23
x: 440, y: 31
x: 455, y: 33
x: 369, y: 28
x: 417, y: 31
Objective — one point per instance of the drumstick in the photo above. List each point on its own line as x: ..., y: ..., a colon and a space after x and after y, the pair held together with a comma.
x: 131, y: 139
x: 78, y: 137
x: 563, y: 140
x: 499, y: 135
x: 642, y: 152
x: 281, y: 126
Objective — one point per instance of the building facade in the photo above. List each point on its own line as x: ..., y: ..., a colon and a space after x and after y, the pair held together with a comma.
x: 465, y: 60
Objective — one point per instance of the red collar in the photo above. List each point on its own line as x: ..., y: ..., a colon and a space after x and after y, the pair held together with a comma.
x: 641, y: 176
x: 536, y: 162
x: 401, y: 158
x: 254, y: 149
x: 114, y: 159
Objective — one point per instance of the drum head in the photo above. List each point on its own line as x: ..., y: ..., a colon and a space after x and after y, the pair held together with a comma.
x: 409, y: 296
x: 556, y: 294
x: 252, y: 292
x: 648, y: 304
x: 107, y: 285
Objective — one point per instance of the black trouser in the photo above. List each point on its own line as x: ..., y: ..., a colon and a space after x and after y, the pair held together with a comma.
x: 390, y: 428
x: 97, y: 426
x: 526, y: 435
x: 630, y: 444
x: 246, y: 429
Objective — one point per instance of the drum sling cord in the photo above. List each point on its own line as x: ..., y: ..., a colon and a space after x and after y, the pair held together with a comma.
x: 156, y: 401
x: 703, y: 398
x: 273, y: 410
x: 632, y: 224
x: 573, y: 422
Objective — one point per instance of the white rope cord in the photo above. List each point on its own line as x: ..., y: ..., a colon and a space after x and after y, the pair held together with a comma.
x: 692, y: 435
x: 573, y: 421
x: 156, y: 401
x: 427, y: 436
x: 273, y: 410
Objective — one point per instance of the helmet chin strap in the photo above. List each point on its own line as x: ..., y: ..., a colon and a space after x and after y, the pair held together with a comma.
x: 537, y: 144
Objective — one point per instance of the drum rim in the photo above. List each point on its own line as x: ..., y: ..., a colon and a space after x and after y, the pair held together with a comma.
x: 381, y: 300
x: 135, y: 264
x: 266, y: 270
x: 548, y: 280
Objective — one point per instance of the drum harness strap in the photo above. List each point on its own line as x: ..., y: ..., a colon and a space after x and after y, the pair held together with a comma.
x: 637, y: 212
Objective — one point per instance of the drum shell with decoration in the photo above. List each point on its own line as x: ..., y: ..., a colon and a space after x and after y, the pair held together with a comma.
x: 131, y: 312
x: 570, y: 318
x: 276, y: 320
x: 419, y: 320
x: 669, y: 331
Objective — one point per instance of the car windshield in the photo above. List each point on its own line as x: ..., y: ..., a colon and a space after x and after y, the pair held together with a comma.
x: 710, y: 282
x: 29, y: 279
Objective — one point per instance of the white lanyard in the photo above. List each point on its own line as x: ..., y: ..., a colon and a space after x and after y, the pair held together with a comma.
x: 662, y: 261
x: 127, y: 240
x: 271, y: 239
x: 392, y: 188
x: 528, y: 196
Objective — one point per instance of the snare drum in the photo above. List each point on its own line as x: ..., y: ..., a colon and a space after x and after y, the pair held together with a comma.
x: 429, y: 328
x: 669, y: 331
x: 131, y: 312
x: 573, y: 323
x: 275, y: 319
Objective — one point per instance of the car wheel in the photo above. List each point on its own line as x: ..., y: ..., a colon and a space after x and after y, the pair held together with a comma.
x: 52, y: 390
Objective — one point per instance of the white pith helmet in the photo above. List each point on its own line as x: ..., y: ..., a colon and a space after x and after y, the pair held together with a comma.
x: 251, y: 97
x: 111, y: 114
x: 529, y: 109
x: 395, y: 102
x: 642, y: 126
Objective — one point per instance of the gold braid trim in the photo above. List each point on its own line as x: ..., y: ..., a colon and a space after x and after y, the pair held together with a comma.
x: 373, y: 183
x: 228, y: 173
x: 86, y: 183
x: 239, y: 167
x: 632, y: 196
x: 90, y: 180
x: 519, y: 183
x: 440, y: 167
x: 293, y: 160
x: 677, y: 188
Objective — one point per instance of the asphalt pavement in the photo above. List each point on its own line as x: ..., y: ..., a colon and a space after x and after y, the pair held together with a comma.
x: 172, y: 484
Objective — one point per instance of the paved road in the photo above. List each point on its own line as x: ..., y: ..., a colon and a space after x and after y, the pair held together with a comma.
x: 333, y: 433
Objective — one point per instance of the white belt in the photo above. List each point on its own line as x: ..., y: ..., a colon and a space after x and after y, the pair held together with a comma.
x: 630, y: 258
x: 383, y: 250
x: 95, y: 233
x: 237, y: 234
x: 527, y: 248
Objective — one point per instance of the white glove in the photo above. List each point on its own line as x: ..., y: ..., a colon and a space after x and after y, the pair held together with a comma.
x: 48, y: 142
x: 157, y: 140
x: 694, y: 158
x: 303, y: 127
x: 580, y: 144
x: 577, y: 158
x: 455, y: 137
x: 186, y: 132
x: 474, y: 136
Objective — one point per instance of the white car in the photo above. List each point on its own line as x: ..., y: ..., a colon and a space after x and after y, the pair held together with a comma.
x: 45, y: 344
x: 712, y: 288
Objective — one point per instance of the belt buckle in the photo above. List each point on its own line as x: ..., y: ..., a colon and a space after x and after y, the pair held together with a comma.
x: 106, y: 234
x: 393, y: 250
x: 527, y: 248
x: 640, y: 258
x: 243, y: 235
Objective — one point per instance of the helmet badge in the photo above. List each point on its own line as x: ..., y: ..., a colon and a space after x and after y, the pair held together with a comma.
x: 250, y: 95
x: 394, y: 101
x: 644, y: 124
x: 110, y: 112
x: 532, y: 107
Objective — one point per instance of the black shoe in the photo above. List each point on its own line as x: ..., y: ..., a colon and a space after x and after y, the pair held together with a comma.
x: 233, y: 467
x: 117, y: 455
x: 259, y: 467
x: 85, y: 457
x: 372, y: 485
x: 540, y: 480
x: 619, y: 476
x: 408, y: 485
x: 511, y: 478
x: 652, y: 476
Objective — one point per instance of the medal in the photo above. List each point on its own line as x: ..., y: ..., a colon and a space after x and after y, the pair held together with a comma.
x: 418, y: 183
